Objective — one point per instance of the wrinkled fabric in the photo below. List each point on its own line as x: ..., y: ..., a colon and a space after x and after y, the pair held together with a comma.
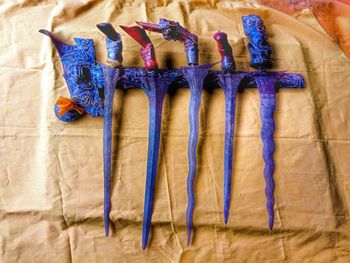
x: 51, y: 173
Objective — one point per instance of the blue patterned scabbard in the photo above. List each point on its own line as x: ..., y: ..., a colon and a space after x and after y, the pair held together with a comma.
x: 83, y: 75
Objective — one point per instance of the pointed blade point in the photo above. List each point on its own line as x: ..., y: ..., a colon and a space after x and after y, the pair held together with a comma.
x: 189, y: 239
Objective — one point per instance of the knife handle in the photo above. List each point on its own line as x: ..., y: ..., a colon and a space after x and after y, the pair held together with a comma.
x: 258, y: 45
x: 228, y: 64
x: 113, y: 44
x: 147, y: 50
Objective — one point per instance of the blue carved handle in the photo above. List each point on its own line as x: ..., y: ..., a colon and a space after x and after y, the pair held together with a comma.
x: 258, y: 46
x: 113, y: 43
x: 83, y: 76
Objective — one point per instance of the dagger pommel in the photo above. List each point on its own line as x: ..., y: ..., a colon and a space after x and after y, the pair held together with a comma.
x: 228, y: 64
x: 147, y: 50
x: 258, y: 46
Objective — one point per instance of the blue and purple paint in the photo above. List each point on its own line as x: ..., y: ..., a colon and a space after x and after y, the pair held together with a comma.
x: 92, y: 85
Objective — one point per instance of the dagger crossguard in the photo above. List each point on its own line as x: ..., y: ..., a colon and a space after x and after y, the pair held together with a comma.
x: 174, y: 31
x: 258, y: 46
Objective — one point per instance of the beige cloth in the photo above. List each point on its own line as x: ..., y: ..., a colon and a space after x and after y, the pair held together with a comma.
x: 51, y: 179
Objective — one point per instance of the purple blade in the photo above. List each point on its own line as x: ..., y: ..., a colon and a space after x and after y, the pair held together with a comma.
x: 266, y: 88
x: 195, y: 77
x: 155, y: 119
x: 230, y: 84
x: 111, y: 76
x: 155, y: 88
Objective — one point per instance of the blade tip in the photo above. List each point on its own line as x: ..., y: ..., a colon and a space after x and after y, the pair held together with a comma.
x: 189, y: 237
x: 45, y: 32
x: 144, y: 243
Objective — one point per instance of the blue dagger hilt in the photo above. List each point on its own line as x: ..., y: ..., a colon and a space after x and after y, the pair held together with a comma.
x: 114, y: 45
x: 258, y: 46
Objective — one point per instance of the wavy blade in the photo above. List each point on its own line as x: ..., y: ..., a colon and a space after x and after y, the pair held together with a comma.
x: 111, y: 76
x: 195, y: 77
x: 266, y: 87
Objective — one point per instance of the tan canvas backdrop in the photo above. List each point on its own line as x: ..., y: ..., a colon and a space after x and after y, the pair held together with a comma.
x: 51, y: 181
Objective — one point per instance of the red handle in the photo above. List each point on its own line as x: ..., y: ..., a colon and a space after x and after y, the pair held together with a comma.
x: 225, y: 51
x: 147, y: 51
